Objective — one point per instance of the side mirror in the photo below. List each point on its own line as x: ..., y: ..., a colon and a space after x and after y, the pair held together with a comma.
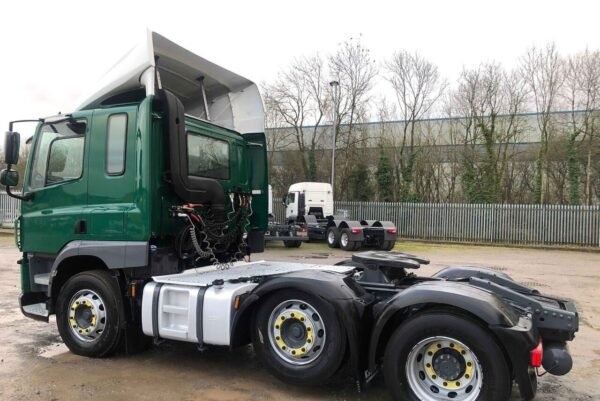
x: 283, y: 200
x: 12, y: 142
x: 9, y: 178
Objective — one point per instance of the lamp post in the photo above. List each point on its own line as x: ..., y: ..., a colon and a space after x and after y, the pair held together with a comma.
x: 335, y: 87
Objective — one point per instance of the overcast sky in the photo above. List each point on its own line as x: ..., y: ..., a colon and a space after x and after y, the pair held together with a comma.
x: 52, y: 50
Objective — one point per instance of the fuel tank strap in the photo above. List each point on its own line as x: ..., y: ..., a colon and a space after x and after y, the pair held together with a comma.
x: 155, y: 296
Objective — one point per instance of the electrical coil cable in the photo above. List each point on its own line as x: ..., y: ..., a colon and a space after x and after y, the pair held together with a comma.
x: 205, y: 239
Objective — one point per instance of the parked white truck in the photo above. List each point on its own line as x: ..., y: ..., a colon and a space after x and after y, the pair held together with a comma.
x: 311, y: 204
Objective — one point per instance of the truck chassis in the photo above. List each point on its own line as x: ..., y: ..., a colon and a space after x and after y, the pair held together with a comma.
x: 455, y: 335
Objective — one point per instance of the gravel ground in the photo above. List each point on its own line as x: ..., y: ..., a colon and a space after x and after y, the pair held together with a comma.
x: 34, y: 365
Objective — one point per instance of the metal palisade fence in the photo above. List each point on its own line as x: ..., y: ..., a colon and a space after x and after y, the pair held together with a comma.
x: 9, y: 209
x: 457, y: 222
x: 475, y: 223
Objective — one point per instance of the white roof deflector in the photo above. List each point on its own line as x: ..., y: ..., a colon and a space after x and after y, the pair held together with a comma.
x: 233, y: 102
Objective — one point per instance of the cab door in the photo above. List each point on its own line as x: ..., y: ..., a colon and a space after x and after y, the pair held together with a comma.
x: 111, y: 186
x: 57, y: 179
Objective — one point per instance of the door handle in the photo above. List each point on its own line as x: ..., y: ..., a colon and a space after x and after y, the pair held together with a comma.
x: 47, y: 211
x: 80, y: 227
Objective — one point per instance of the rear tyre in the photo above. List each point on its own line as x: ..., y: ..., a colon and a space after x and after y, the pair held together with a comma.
x: 345, y: 242
x: 442, y: 356
x: 299, y: 337
x: 292, y: 244
x: 89, y: 313
x: 387, y: 245
x: 333, y: 237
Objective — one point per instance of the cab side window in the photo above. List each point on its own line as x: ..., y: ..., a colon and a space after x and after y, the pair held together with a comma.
x: 116, y: 140
x: 291, y: 198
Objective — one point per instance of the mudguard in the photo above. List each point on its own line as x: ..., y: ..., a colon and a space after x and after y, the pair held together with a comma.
x: 515, y: 334
x: 348, y: 300
x: 354, y: 236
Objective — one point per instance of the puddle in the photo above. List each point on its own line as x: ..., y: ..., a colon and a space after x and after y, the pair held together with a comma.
x: 53, y: 350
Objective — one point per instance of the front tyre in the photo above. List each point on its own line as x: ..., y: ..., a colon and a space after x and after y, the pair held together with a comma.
x: 89, y: 313
x: 443, y: 357
x: 299, y: 337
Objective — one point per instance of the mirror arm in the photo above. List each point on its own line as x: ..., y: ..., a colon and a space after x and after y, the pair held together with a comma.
x: 24, y: 197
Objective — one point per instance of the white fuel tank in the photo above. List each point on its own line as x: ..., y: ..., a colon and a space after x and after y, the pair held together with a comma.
x: 197, y: 314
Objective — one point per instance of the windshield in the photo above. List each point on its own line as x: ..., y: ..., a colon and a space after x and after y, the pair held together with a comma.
x: 58, y: 153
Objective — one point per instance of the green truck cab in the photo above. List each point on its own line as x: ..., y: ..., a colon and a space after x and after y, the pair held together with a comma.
x: 111, y: 185
x: 162, y: 171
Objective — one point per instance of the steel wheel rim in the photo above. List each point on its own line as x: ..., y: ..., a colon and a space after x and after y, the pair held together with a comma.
x: 87, y: 315
x: 344, y: 239
x: 444, y: 369
x: 296, y: 332
x: 331, y: 237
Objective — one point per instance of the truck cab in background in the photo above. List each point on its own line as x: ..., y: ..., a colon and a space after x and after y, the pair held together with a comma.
x: 311, y: 205
x: 309, y: 198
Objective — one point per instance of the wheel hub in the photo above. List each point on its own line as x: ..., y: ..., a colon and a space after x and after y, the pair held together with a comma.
x: 296, y: 332
x: 87, y: 315
x: 449, y: 364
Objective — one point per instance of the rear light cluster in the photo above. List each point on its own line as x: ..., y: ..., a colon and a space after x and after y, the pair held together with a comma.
x: 356, y: 230
x: 392, y: 230
x: 537, y: 355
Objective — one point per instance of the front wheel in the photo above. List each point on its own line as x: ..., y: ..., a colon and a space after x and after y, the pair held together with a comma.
x: 443, y: 357
x: 299, y: 337
x: 89, y: 313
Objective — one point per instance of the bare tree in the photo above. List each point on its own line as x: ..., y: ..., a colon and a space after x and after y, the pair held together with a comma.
x: 542, y: 70
x: 300, y: 98
x: 582, y: 92
x: 418, y: 86
x: 352, y: 66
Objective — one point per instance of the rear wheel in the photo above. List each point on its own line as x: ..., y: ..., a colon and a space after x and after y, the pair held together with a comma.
x: 387, y: 245
x: 333, y: 237
x: 292, y: 244
x: 299, y: 337
x: 346, y: 243
x: 443, y: 357
x: 90, y: 314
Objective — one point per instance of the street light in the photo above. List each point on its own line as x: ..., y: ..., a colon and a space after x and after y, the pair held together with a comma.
x: 335, y: 85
